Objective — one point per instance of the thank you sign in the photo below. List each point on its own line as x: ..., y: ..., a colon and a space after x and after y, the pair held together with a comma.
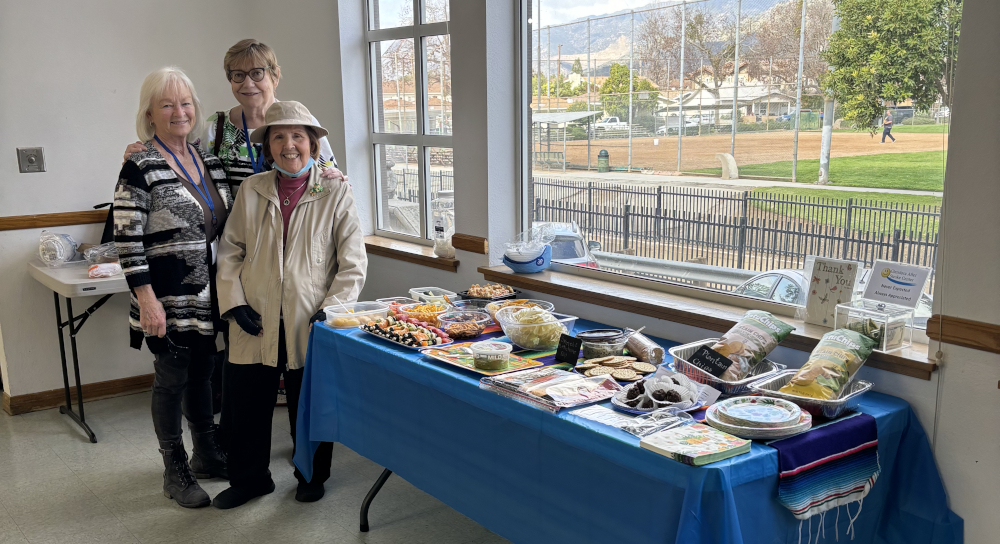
x: 899, y: 284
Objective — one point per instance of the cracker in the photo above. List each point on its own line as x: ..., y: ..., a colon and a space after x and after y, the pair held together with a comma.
x: 586, y: 366
x: 599, y: 360
x: 599, y: 371
x: 636, y: 378
x: 623, y: 374
x: 615, y: 364
x: 645, y: 368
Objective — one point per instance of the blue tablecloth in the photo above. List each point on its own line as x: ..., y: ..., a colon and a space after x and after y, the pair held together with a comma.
x: 531, y: 476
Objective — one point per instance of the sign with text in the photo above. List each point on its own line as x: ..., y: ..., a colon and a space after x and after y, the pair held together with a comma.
x: 831, y: 282
x: 899, y: 284
x: 710, y: 361
x: 569, y: 349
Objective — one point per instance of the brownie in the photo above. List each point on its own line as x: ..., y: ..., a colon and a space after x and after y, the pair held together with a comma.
x: 633, y: 393
x: 672, y: 396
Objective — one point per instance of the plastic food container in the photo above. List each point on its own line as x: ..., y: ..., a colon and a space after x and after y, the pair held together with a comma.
x: 829, y: 409
x: 359, y: 313
x: 602, y: 343
x: 763, y: 369
x: 513, y: 294
x: 493, y: 307
x: 491, y: 355
x: 535, y: 336
x: 397, y: 300
x: 425, y: 312
x: 432, y: 294
x: 472, y: 305
x: 463, y: 325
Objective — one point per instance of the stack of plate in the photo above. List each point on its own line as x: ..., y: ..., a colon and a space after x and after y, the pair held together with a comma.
x: 758, y: 417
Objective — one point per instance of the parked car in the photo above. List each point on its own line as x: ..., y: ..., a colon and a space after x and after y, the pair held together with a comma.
x: 790, y: 286
x: 670, y: 127
x: 945, y: 111
x: 790, y: 115
x: 569, y: 245
x: 611, y: 123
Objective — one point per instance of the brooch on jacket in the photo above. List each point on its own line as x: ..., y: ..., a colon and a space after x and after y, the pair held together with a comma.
x: 316, y: 188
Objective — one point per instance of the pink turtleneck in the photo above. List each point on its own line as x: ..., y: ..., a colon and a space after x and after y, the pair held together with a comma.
x: 292, y: 189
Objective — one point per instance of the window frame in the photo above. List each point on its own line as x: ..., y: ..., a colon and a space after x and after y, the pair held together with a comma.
x: 417, y: 32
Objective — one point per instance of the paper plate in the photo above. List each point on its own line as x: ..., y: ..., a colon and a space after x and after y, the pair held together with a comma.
x: 758, y: 412
x: 753, y: 433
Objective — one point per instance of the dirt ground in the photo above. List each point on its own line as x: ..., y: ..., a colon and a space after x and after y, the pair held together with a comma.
x: 754, y: 148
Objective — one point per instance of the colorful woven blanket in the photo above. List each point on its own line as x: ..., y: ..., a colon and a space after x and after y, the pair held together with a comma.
x: 829, y: 466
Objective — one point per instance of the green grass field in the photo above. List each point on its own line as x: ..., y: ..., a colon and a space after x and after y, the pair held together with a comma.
x: 861, y: 219
x: 911, y: 129
x: 922, y: 171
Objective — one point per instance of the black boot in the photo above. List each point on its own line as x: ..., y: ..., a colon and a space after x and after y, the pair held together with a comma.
x: 309, y: 492
x: 179, y: 482
x: 208, y: 460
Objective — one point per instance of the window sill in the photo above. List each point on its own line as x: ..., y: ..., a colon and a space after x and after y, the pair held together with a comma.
x: 409, y: 252
x: 703, y: 314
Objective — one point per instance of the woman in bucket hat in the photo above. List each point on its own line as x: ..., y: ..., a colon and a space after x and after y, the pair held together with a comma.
x: 293, y: 242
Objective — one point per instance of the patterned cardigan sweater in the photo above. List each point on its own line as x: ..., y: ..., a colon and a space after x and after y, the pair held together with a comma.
x: 159, y: 231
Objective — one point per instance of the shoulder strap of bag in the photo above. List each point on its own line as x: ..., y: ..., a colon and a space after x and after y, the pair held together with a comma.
x: 220, y: 123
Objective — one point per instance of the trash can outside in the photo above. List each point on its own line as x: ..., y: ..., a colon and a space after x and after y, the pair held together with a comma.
x: 603, y: 161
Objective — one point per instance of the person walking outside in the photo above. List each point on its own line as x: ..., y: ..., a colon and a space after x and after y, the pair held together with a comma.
x: 887, y: 126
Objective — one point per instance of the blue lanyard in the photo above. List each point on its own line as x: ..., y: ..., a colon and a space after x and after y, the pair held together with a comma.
x: 256, y: 161
x: 202, y: 190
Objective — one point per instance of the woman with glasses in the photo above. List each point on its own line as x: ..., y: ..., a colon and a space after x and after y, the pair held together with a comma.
x: 171, y: 204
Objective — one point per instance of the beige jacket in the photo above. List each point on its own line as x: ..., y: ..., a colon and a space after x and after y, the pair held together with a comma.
x: 325, y: 256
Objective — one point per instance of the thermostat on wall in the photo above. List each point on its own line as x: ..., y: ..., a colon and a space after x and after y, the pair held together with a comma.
x: 30, y: 159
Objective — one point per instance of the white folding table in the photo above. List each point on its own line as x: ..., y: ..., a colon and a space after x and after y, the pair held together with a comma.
x: 72, y: 281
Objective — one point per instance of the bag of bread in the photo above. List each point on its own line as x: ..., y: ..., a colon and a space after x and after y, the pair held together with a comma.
x: 831, y: 366
x: 749, y: 341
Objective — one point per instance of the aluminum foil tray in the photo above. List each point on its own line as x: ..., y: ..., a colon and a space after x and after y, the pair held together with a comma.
x: 765, y: 368
x: 829, y: 409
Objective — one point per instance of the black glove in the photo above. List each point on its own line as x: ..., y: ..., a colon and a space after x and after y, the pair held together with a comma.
x: 246, y: 318
x: 318, y: 316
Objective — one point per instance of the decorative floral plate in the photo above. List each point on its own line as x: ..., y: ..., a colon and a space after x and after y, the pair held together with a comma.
x: 804, y: 423
x: 758, y: 412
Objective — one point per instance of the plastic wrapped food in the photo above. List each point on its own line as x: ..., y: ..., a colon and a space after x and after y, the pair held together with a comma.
x: 56, y: 249
x: 831, y: 366
x: 529, y: 244
x: 749, y: 341
x: 104, y: 270
x: 104, y: 253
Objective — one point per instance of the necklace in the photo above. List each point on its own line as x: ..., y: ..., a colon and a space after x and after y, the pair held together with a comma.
x: 288, y: 197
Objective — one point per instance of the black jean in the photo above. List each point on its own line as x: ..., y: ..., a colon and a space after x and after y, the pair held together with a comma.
x: 887, y: 132
x: 248, y: 397
x: 182, y: 385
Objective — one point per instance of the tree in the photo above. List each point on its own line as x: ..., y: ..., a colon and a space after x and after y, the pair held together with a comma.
x: 773, y: 56
x: 658, y: 43
x: 712, y: 35
x: 891, y: 51
x: 615, y: 94
x: 578, y: 105
x: 577, y: 67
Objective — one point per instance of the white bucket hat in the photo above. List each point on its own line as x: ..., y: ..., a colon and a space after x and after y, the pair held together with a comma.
x: 286, y: 113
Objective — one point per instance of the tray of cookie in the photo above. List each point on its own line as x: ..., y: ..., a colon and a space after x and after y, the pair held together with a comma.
x: 622, y: 368
x: 665, y: 389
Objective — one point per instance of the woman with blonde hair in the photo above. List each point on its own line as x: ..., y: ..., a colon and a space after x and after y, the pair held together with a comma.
x: 171, y: 203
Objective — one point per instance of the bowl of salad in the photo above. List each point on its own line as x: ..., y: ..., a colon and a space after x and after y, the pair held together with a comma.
x: 534, y: 328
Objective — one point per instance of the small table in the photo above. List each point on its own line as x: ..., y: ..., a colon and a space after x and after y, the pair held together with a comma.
x: 72, y: 281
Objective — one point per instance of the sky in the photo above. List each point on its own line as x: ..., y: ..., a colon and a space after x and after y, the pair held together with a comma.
x: 555, y: 12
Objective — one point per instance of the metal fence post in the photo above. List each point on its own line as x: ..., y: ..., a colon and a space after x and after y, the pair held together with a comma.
x: 625, y: 226
x: 741, y: 250
x: 847, y: 227
x: 538, y: 209
x: 659, y: 211
x: 590, y: 202
x: 895, y: 245
x: 798, y: 94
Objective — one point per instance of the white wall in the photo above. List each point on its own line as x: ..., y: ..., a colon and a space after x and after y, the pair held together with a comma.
x: 70, y: 83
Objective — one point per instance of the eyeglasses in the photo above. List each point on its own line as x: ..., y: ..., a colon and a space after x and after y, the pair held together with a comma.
x: 239, y: 76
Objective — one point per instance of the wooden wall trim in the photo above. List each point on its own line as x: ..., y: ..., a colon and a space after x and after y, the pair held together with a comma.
x: 964, y: 332
x: 409, y: 252
x: 46, y: 220
x: 696, y: 313
x: 473, y: 244
x: 43, y: 400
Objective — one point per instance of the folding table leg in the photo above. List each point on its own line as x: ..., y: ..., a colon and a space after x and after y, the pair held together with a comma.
x: 80, y: 419
x: 62, y: 353
x: 371, y: 496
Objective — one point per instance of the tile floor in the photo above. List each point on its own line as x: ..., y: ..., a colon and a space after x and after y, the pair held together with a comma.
x: 55, y: 486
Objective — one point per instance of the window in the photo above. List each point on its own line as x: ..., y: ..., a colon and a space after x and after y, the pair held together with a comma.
x: 631, y: 118
x: 411, y: 112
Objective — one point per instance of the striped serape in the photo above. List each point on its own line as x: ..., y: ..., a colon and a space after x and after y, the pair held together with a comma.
x: 828, y: 467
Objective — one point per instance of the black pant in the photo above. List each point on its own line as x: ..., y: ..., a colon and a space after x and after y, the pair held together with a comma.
x: 248, y: 398
x: 885, y: 132
x: 182, y: 384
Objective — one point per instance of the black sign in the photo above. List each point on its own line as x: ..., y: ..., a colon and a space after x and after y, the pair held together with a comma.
x: 569, y: 349
x: 710, y: 361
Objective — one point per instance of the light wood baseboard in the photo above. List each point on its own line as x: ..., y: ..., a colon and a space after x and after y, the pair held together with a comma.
x: 44, y: 400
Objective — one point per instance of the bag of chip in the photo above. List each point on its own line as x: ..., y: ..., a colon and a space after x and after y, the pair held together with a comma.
x: 831, y: 366
x: 749, y: 341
